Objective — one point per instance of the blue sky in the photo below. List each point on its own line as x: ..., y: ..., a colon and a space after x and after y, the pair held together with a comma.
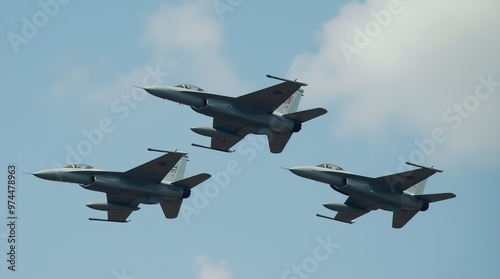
x: 402, y: 80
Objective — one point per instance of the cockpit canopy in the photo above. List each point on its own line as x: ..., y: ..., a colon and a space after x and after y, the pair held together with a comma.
x: 79, y: 166
x: 330, y: 166
x: 190, y: 87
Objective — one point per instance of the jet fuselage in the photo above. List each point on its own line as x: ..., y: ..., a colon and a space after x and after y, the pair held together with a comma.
x: 116, y: 183
x: 362, y: 187
x: 258, y: 121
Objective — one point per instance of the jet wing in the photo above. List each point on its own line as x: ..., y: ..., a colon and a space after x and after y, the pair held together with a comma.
x: 171, y: 208
x: 404, y: 180
x: 227, y: 126
x: 347, y: 217
x: 121, y: 216
x: 155, y: 170
x: 270, y: 98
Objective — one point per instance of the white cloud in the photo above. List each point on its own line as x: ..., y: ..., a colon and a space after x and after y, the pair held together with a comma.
x: 210, y: 270
x: 188, y: 26
x: 84, y: 87
x: 409, y: 64
x: 187, y: 43
x: 188, y: 39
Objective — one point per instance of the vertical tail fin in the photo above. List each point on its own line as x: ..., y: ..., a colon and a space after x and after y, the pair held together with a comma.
x: 400, y: 218
x: 291, y: 104
x: 278, y: 141
x: 417, y: 189
x: 177, y: 172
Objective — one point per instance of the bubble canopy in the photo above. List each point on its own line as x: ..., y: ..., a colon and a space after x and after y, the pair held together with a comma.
x: 329, y: 166
x: 190, y: 87
x: 78, y: 166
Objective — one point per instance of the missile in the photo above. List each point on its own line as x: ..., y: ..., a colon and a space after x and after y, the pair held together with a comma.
x: 166, y: 151
x: 340, y: 207
x: 215, y: 133
x: 208, y: 147
x: 111, y: 206
x: 106, y: 220
x: 327, y: 217
x: 420, y: 166
x: 284, y: 79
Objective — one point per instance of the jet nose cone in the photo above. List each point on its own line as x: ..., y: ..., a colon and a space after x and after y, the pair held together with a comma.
x: 158, y: 91
x: 46, y: 174
x: 301, y: 171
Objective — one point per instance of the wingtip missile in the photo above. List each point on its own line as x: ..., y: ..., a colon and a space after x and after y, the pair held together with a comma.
x: 424, y: 167
x: 327, y: 217
x: 284, y: 79
x: 208, y: 147
x: 106, y: 220
x: 167, y: 151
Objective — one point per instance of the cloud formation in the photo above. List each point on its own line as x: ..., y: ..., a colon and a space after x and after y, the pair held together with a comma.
x: 210, y: 270
x: 390, y: 65
x: 188, y: 39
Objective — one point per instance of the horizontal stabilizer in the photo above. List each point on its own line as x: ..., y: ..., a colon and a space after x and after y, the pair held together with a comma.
x: 435, y: 197
x: 305, y: 115
x: 192, y: 181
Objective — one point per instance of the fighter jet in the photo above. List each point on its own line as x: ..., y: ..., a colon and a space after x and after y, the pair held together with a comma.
x: 157, y: 181
x: 270, y: 111
x: 401, y: 193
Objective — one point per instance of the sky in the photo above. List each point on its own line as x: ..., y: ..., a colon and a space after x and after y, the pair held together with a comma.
x: 401, y: 80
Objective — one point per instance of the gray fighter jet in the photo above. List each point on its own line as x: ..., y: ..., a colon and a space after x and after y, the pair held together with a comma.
x: 401, y: 193
x: 157, y: 181
x: 270, y: 111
